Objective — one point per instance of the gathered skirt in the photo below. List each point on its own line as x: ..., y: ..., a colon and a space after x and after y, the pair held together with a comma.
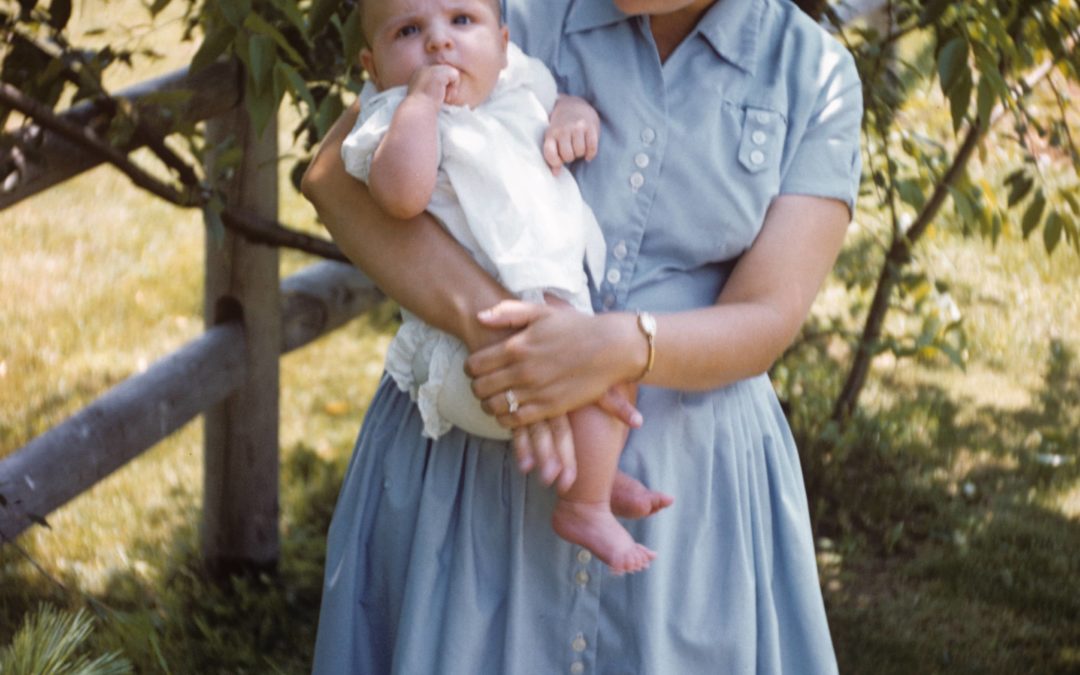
x: 441, y: 557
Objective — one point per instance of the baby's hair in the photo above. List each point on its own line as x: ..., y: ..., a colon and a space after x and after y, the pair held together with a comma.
x: 496, y: 5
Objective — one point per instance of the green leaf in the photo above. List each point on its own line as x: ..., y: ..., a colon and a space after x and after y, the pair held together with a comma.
x: 290, y: 11
x: 1052, y: 231
x: 235, y: 11
x: 297, y: 85
x: 952, y: 63
x: 1033, y: 214
x: 911, y: 193
x: 986, y: 98
x: 1020, y: 189
x: 319, y: 16
x: 261, y: 58
x: 1070, y: 199
x: 329, y: 110
x: 955, y: 355
x: 960, y: 98
x: 214, y: 45
x: 352, y: 38
x: 260, y: 26
x: 964, y: 208
x: 262, y: 106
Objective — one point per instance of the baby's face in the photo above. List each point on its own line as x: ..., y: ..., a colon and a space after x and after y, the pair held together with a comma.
x: 407, y: 35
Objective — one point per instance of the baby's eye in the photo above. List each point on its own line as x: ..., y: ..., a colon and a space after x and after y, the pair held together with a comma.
x: 462, y: 19
x: 406, y: 31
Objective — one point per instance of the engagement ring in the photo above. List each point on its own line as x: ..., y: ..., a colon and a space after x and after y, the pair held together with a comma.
x: 511, y: 401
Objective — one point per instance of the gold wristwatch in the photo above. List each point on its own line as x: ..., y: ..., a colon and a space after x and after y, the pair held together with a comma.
x: 647, y: 325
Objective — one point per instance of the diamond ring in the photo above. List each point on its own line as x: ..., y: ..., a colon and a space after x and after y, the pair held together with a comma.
x: 511, y: 401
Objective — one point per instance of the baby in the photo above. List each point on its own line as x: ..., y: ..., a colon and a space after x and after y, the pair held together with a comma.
x: 452, y: 122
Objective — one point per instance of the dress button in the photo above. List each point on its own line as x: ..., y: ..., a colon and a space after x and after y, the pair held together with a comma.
x: 577, y: 668
x: 648, y: 136
x: 620, y: 250
x: 613, y: 276
x: 758, y: 137
x: 641, y: 160
x: 583, y: 556
x: 579, y: 644
x: 609, y: 301
x: 757, y: 157
x: 582, y: 577
x: 761, y: 117
x: 636, y: 180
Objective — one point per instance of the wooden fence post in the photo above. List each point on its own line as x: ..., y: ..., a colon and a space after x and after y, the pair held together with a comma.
x: 240, y: 502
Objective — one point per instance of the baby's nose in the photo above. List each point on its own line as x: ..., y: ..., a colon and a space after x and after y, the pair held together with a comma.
x: 438, y: 40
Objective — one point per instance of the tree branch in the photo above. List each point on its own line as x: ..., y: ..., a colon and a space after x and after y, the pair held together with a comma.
x: 85, y: 138
x: 247, y: 224
x: 257, y: 228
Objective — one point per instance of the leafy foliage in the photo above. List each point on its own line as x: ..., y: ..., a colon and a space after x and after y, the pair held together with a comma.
x: 992, y: 60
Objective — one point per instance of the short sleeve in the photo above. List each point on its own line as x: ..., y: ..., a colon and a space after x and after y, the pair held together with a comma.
x: 531, y: 74
x: 827, y: 161
x: 376, y: 111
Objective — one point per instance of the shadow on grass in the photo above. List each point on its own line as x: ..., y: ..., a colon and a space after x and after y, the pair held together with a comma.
x: 180, y: 622
x: 947, y: 549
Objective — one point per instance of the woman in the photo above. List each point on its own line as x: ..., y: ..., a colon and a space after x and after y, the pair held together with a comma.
x: 727, y: 168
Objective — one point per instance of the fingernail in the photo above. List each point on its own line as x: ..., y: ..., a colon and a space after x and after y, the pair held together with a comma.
x: 636, y: 420
x: 484, y: 314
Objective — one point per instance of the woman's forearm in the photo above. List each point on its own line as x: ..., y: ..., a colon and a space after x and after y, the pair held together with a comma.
x: 761, y: 308
x: 414, y: 261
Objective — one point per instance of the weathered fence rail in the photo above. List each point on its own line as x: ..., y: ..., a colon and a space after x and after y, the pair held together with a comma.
x: 65, y: 461
x: 230, y: 373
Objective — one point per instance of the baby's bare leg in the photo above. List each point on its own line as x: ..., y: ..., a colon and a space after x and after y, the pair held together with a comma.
x: 583, y: 513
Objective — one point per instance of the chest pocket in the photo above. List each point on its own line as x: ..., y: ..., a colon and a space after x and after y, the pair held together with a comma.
x: 762, y: 139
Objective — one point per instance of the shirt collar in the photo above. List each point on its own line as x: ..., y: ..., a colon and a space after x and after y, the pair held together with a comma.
x: 588, y: 14
x: 731, y: 27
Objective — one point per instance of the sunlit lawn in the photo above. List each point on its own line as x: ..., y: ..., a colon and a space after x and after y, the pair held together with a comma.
x: 948, y: 523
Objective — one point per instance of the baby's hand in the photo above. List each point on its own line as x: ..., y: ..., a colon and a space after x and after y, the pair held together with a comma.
x: 437, y: 82
x: 573, y: 132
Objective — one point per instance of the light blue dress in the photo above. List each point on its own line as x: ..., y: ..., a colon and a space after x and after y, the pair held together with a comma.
x: 441, y: 557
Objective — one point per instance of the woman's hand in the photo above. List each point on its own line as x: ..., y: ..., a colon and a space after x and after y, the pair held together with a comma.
x: 559, y: 360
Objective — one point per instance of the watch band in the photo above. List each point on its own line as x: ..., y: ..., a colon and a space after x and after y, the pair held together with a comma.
x: 647, y: 325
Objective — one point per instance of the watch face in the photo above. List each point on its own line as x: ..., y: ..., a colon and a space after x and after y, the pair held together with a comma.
x: 648, y: 323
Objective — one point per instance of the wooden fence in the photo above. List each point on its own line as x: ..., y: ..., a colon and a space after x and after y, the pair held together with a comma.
x: 229, y: 373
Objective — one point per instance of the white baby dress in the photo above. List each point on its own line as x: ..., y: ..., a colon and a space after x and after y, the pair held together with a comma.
x: 496, y: 195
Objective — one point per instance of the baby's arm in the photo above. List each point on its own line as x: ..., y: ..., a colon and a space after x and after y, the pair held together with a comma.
x: 573, y: 132
x: 406, y: 162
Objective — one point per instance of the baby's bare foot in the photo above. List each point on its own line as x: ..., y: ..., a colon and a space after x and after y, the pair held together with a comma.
x: 592, y: 525
x: 631, y: 499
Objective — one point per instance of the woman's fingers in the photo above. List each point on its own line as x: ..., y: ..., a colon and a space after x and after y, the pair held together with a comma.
x: 523, y: 450
x: 512, y: 314
x: 543, y: 448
